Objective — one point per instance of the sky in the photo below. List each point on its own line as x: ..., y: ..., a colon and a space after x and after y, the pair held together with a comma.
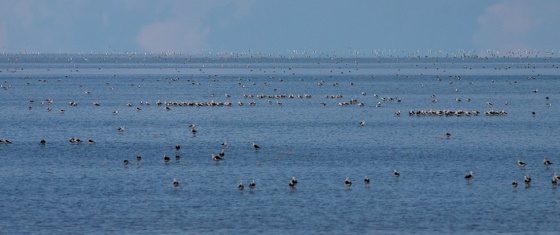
x: 276, y: 26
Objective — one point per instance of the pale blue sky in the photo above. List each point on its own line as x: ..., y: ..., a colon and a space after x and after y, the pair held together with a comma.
x: 276, y: 26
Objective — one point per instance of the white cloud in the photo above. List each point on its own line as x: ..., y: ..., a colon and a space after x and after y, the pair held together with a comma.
x: 518, y: 24
x: 155, y: 26
x: 186, y: 26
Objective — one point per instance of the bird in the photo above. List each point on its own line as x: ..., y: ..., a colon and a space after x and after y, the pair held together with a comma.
x: 293, y: 182
x: 177, y: 147
x: 175, y: 183
x: 469, y: 176
x: 43, y: 141
x: 547, y: 162
x: 120, y: 129
x: 521, y: 163
x: 348, y: 182
x: 514, y: 184
x: 222, y: 153
x: 138, y: 157
x: 554, y: 179
x: 252, y: 185
x: 362, y: 123
x: 396, y: 173
x: 240, y: 186
x: 90, y: 141
x: 216, y: 157
x: 366, y: 180
x: 256, y: 146
x: 193, y: 128
x: 166, y: 159
x: 177, y: 157
x: 527, y: 180
x: 125, y: 162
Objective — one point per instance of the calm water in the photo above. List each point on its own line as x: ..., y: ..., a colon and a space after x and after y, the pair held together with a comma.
x: 84, y: 188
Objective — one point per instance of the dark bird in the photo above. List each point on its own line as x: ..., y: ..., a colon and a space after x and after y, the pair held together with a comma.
x: 175, y: 183
x: 125, y: 162
x: 293, y: 182
x: 362, y: 123
x: 193, y: 128
x: 396, y: 173
x: 255, y: 146
x: 43, y: 141
x: 521, y: 163
x: 348, y: 182
x: 547, y: 162
x: 469, y: 176
x: 166, y: 159
x: 138, y: 157
x: 514, y: 184
x: 252, y: 185
x: 216, y: 157
x: 177, y: 147
x: 366, y: 180
x: 527, y: 179
x: 240, y: 186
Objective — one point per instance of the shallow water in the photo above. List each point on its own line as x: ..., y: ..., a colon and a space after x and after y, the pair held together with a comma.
x: 84, y: 188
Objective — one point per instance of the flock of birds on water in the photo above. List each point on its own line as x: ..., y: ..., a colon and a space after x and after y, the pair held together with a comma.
x: 292, y: 183
x: 555, y: 179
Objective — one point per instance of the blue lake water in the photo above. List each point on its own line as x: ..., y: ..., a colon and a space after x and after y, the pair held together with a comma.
x: 66, y: 188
